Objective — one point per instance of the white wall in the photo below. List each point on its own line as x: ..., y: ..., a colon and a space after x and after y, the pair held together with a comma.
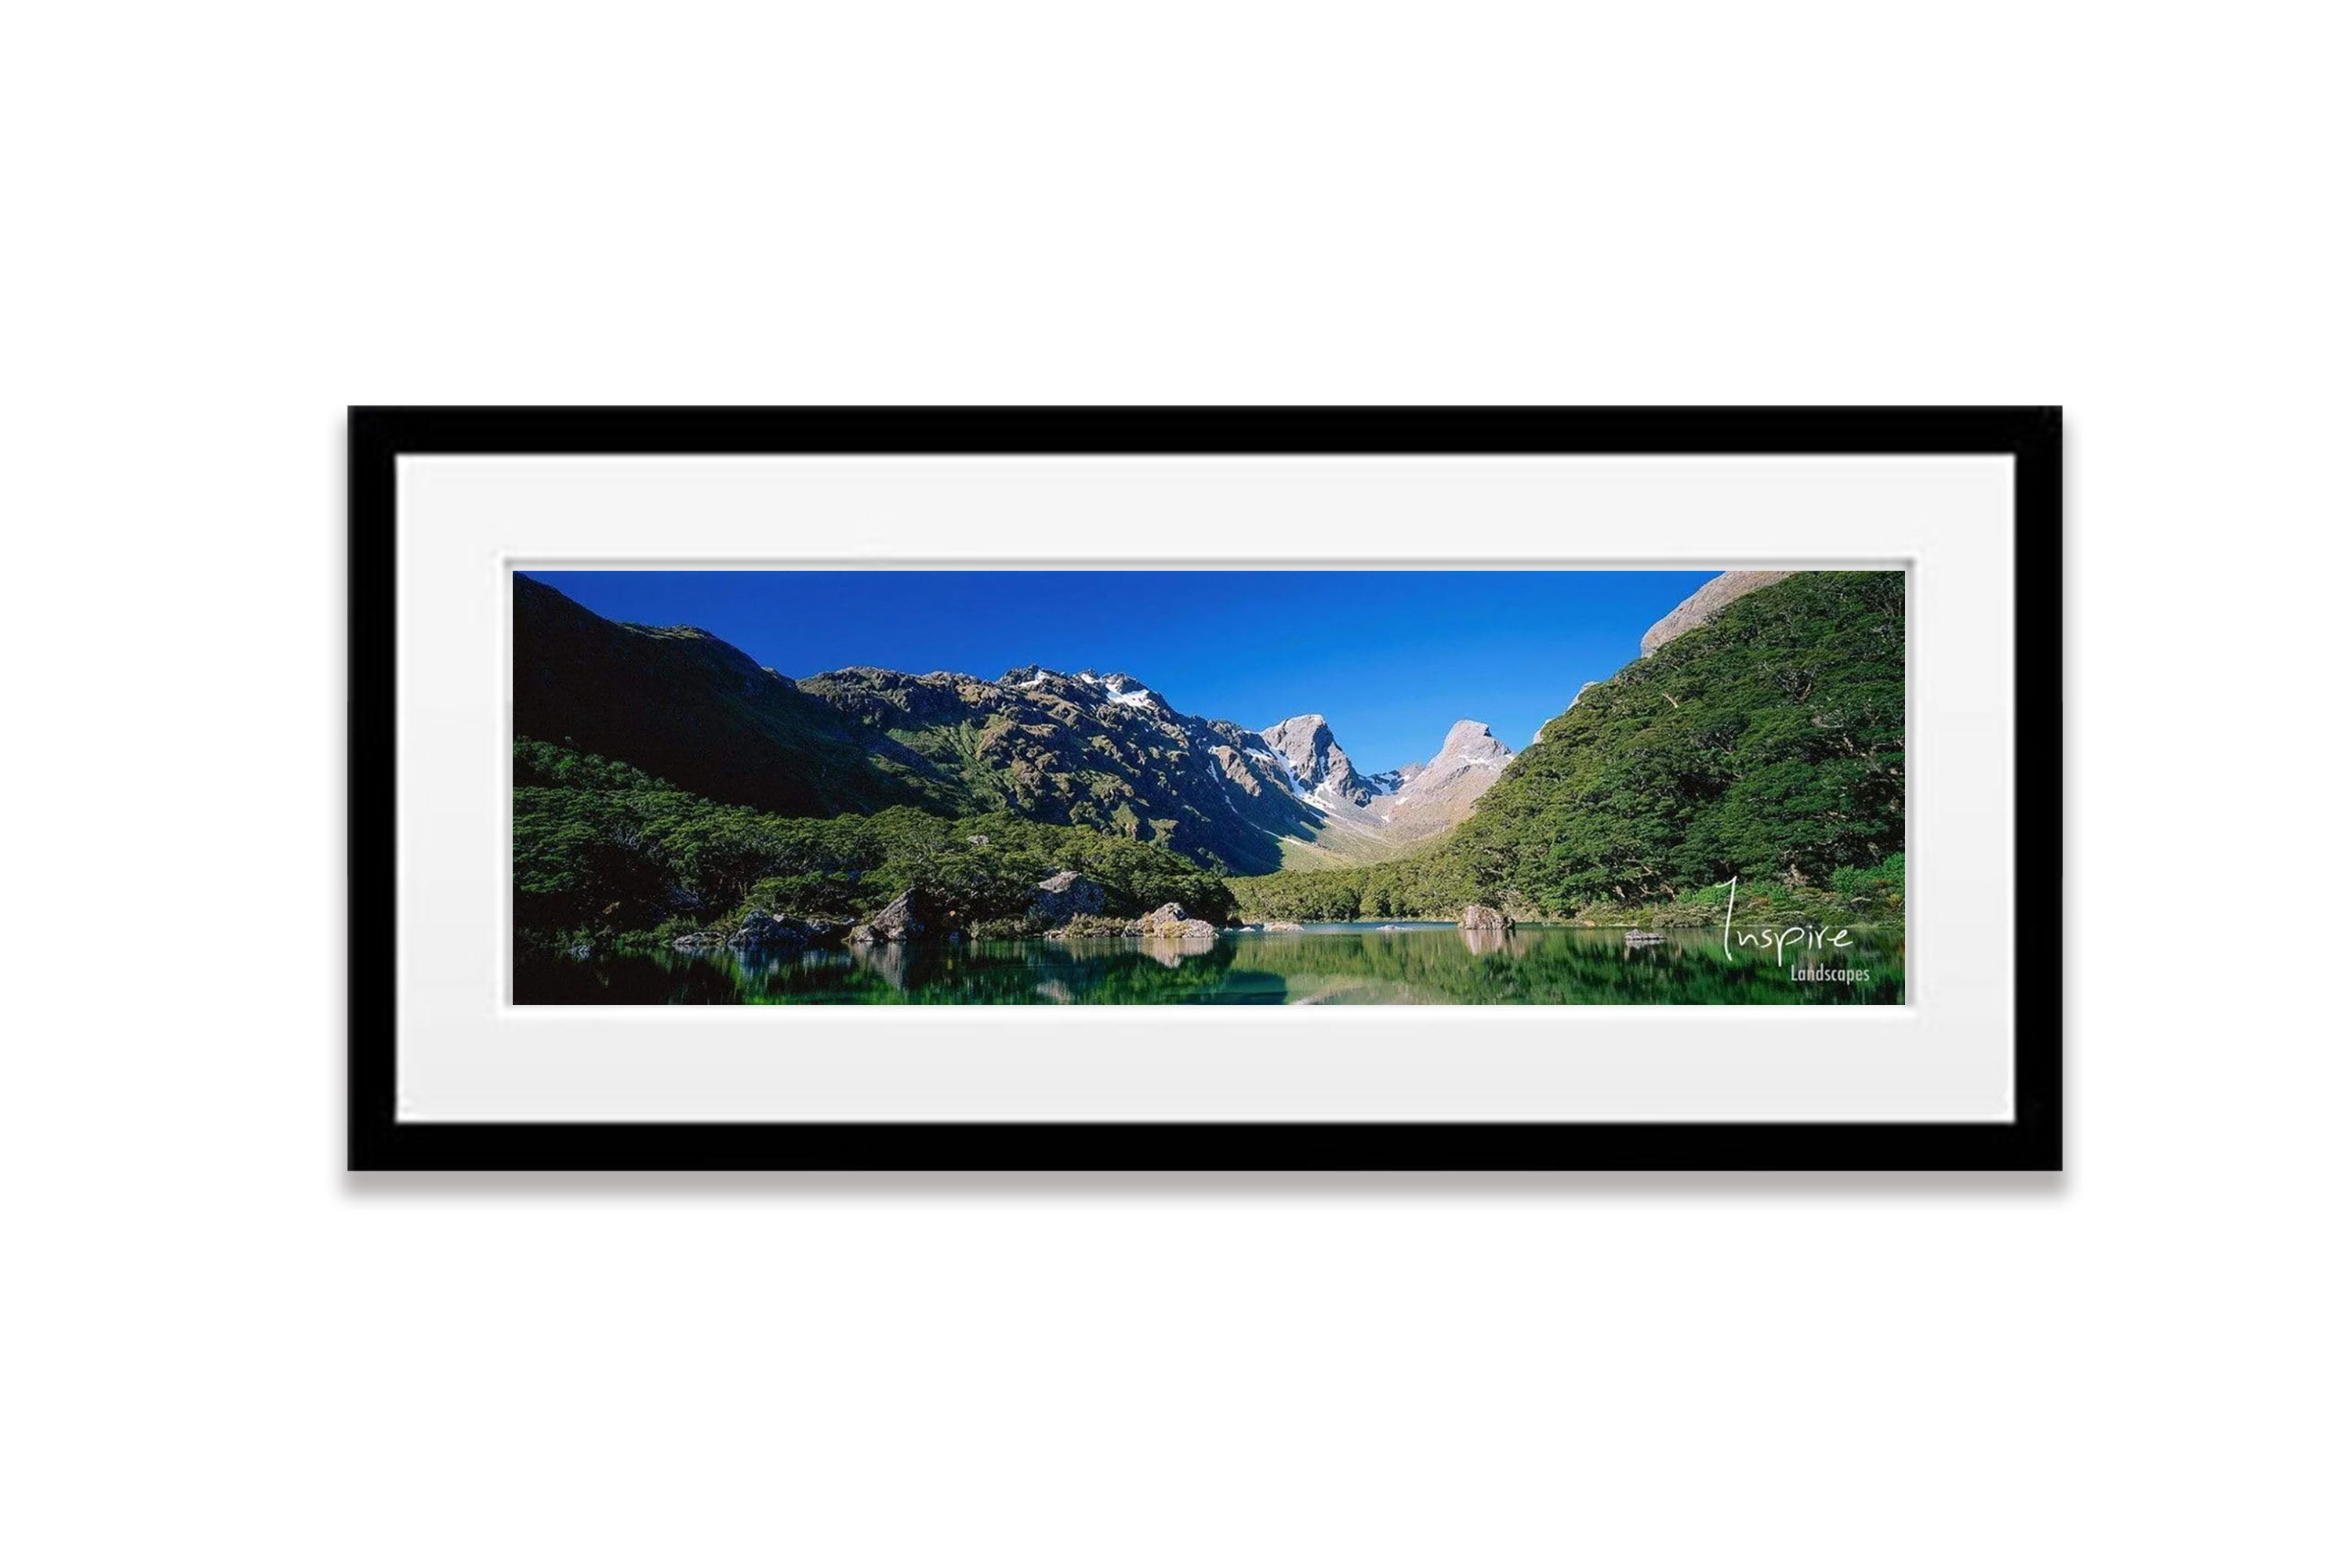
x: 228, y: 221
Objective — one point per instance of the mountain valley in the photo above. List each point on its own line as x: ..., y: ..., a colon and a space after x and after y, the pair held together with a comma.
x: 666, y: 785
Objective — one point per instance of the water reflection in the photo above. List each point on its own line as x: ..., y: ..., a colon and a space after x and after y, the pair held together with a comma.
x: 1168, y: 952
x: 1321, y: 965
x: 887, y: 962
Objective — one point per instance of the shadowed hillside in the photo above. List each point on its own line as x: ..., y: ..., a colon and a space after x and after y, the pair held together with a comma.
x: 682, y: 705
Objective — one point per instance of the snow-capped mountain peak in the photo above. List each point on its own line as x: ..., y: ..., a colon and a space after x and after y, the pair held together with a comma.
x: 1317, y: 768
x: 1295, y: 766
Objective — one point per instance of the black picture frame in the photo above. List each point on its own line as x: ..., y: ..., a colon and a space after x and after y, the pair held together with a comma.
x: 379, y: 1141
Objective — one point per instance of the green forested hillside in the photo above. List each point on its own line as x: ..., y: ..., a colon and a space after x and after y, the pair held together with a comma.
x: 1428, y: 885
x: 1059, y: 748
x: 604, y: 852
x: 1768, y: 744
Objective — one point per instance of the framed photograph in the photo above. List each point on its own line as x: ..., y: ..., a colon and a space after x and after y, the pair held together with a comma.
x: 1205, y: 789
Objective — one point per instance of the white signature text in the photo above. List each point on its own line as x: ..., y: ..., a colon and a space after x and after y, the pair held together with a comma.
x: 1801, y: 937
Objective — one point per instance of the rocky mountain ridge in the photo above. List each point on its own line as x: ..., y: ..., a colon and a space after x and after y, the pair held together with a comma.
x: 1371, y: 815
x: 1442, y: 791
x: 1298, y: 780
x: 1313, y: 764
x: 1714, y: 595
x: 1083, y: 749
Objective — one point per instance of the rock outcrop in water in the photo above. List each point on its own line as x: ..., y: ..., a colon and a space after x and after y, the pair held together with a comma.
x: 762, y: 932
x: 1482, y: 917
x: 1171, y: 921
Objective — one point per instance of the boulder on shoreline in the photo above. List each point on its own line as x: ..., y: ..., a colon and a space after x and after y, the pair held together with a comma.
x: 1170, y: 920
x: 771, y: 931
x: 1482, y: 917
x: 898, y: 921
x: 1066, y: 895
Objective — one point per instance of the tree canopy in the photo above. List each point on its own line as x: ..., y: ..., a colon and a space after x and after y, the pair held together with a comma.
x: 602, y: 847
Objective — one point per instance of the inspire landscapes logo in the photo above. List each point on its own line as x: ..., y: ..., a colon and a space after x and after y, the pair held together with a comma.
x: 1804, y: 938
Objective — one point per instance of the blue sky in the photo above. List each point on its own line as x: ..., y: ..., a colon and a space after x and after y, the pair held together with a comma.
x: 1392, y: 658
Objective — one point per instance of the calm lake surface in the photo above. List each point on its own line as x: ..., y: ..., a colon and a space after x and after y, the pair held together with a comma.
x: 1324, y: 963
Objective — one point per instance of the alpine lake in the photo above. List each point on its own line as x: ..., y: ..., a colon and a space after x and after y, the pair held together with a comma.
x: 1355, y: 964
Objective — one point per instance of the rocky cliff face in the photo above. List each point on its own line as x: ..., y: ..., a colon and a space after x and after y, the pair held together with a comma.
x: 1108, y: 752
x: 1312, y: 763
x: 1088, y: 750
x: 1366, y: 817
x: 1705, y: 604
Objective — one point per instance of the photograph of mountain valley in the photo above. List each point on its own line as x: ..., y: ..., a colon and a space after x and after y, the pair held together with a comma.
x: 1572, y: 786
